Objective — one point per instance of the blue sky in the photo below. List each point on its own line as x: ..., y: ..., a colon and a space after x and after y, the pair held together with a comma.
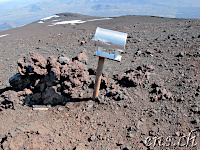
x: 16, y: 0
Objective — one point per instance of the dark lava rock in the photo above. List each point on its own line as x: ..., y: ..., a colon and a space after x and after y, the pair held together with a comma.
x: 19, y: 81
x: 51, y: 96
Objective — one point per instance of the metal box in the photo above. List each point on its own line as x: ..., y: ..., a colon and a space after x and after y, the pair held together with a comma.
x: 109, y: 39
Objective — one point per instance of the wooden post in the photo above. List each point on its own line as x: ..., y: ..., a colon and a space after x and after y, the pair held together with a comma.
x: 98, y: 77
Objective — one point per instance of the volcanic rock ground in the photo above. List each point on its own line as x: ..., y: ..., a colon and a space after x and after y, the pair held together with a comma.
x: 160, y: 111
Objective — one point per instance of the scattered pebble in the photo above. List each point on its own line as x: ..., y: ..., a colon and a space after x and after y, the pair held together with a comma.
x: 64, y: 60
x: 60, y: 109
x: 149, y: 51
x: 89, y: 107
x: 181, y: 54
x: 138, y: 53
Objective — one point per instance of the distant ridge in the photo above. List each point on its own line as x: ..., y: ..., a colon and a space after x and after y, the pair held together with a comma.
x: 73, y: 22
x: 24, y: 12
x: 7, y: 26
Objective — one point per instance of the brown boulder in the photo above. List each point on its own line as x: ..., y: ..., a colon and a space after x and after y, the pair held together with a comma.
x: 52, y: 63
x: 33, y: 63
x: 82, y: 57
x: 10, y: 96
x: 75, y: 69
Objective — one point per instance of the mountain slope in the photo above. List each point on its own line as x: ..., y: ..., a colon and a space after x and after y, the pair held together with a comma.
x: 149, y: 100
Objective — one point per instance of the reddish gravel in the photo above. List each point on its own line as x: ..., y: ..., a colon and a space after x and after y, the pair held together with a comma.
x: 149, y: 100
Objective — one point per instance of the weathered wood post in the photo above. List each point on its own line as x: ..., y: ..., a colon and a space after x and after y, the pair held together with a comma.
x: 98, y: 77
x: 109, y: 39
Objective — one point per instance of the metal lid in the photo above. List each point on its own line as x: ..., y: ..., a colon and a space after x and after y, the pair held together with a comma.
x: 110, y: 39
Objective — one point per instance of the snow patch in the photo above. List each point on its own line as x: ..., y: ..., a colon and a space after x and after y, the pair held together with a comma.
x: 100, y: 19
x: 4, y: 35
x: 74, y: 22
x: 21, y: 26
x: 71, y: 22
x: 47, y: 18
x: 40, y: 22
